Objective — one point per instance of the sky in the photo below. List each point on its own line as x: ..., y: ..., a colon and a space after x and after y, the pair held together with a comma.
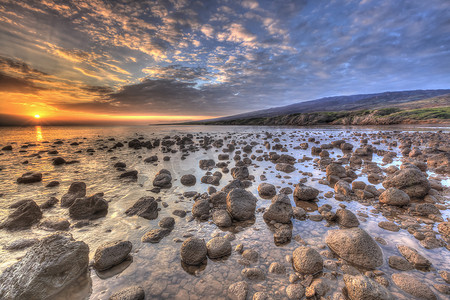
x: 177, y: 60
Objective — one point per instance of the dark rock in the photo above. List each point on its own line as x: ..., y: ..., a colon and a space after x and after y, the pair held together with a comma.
x: 394, y: 196
x: 23, y: 217
x: 49, y: 203
x: 163, y: 179
x: 133, y: 175
x: 58, y: 161
x: 52, y: 184
x: 346, y: 218
x: 155, y: 235
x: 266, y: 190
x: 30, y: 177
x: 241, y: 204
x: 188, y: 180
x: 305, y: 193
x: 92, y: 207
x: 56, y: 261
x: 218, y: 247
x: 280, y: 210
x: 410, y: 180
x: 146, y: 207
x: 76, y: 190
x: 193, y: 251
x: 110, y: 254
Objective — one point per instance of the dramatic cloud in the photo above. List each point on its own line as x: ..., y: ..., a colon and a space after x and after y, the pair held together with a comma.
x: 218, y: 57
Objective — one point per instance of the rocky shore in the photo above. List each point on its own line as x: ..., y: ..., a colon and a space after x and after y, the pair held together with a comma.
x: 260, y: 215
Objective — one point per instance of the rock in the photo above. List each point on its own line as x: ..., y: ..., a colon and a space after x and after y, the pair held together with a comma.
x: 24, y: 216
x: 7, y: 148
x: 133, y: 175
x: 179, y: 213
x: 399, y: 263
x: 241, y: 204
x: 155, y: 236
x: 188, y: 180
x: 206, y: 164
x: 280, y: 210
x: 50, y: 266
x: 342, y: 187
x: 253, y: 274
x: 30, y: 177
x: 218, y: 247
x: 110, y: 254
x: 442, y: 288
x: 413, y: 286
x: 76, y: 190
x: 200, y: 209
x: 193, y: 251
x: 221, y: 218
x: 163, y: 179
x: 146, y: 207
x: 305, y: 193
x: 151, y: 159
x: 299, y: 213
x: 355, y: 246
x: 277, y: 268
x: 307, y: 260
x: 167, y: 222
x: 261, y: 296
x: 240, y: 173
x: 414, y: 257
x: 282, y: 236
x: 394, y: 196
x: 425, y: 209
x: 58, y: 161
x: 52, y: 183
x: 130, y: 293
x: 266, y: 190
x: 445, y: 275
x: 346, y: 218
x: 410, y: 180
x: 295, y: 291
x: 251, y: 255
x: 238, y: 291
x: 20, y: 244
x: 49, y: 203
x: 391, y: 226
x: 363, y: 288
x: 283, y: 167
x: 92, y: 207
x: 55, y: 223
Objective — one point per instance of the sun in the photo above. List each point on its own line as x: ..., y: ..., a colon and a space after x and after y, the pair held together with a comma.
x: 37, y: 116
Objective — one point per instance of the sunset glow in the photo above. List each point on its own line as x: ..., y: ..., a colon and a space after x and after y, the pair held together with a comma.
x: 37, y: 116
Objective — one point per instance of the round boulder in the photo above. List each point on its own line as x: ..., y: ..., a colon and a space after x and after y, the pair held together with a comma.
x: 394, y: 196
x: 307, y: 260
x: 110, y: 254
x: 305, y: 193
x: 193, y: 251
x: 355, y: 246
x: 266, y: 190
x: 241, y: 204
x: 218, y: 247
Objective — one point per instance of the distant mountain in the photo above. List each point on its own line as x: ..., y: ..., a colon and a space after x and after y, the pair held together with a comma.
x: 344, y: 103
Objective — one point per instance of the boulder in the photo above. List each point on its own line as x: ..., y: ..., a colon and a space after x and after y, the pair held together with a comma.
x: 221, y: 218
x: 295, y: 291
x: 110, y: 254
x: 163, y: 179
x: 155, y: 235
x: 342, y: 187
x: 266, y: 190
x: 218, y: 247
x: 413, y: 286
x: 305, y: 193
x: 241, y: 204
x: 50, y: 266
x: 30, y: 177
x: 280, y: 210
x: 414, y: 257
x: 410, y: 180
x: 346, y: 218
x: 206, y: 164
x: 26, y: 214
x: 399, y: 263
x: 355, y: 246
x: 92, y: 207
x: 394, y: 196
x: 238, y: 291
x: 286, y: 168
x: 306, y: 260
x: 167, y: 223
x: 363, y: 288
x: 193, y: 251
x: 200, y: 209
x: 240, y: 173
x: 146, y: 207
x: 55, y: 223
x: 76, y: 190
x: 188, y: 180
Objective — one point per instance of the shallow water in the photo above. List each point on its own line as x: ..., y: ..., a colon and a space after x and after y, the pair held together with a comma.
x: 157, y: 267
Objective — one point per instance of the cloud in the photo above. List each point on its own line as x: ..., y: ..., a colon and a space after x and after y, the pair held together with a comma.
x: 17, y: 85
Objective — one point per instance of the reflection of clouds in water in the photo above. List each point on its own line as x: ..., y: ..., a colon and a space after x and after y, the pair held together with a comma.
x: 38, y: 133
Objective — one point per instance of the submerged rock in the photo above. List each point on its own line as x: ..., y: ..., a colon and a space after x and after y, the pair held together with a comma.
x: 238, y: 291
x: 129, y: 293
x: 155, y: 235
x: 110, y: 254
x: 50, y: 265
x: 363, y: 288
x: 413, y: 286
x: 414, y: 257
x: 355, y: 246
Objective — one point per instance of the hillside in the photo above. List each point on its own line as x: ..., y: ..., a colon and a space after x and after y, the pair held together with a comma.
x: 402, y: 99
